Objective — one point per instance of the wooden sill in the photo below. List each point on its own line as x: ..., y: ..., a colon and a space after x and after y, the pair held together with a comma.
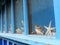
x: 31, y: 39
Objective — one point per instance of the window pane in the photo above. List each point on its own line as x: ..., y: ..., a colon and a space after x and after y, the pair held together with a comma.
x: 3, y: 19
x: 43, y: 21
x: 19, y: 17
x: 9, y: 17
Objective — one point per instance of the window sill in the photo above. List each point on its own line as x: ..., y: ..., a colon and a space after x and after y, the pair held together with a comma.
x: 30, y: 39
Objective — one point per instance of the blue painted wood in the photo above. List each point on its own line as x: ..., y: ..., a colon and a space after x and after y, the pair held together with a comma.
x: 57, y: 17
x: 12, y: 15
x: 1, y: 19
x: 25, y: 10
x: 0, y: 41
x: 32, y: 39
x: 10, y: 43
x: 5, y: 42
x: 6, y: 18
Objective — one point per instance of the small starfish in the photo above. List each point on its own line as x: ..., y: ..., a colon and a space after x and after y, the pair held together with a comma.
x: 49, y: 28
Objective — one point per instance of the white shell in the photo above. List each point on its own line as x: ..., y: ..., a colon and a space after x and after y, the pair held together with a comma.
x: 18, y: 31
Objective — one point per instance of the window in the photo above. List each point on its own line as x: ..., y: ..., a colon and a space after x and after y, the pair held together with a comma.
x: 42, y: 17
x: 19, y: 17
x: 3, y: 19
x: 9, y: 16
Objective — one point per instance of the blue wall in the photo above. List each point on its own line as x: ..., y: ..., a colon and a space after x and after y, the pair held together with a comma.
x: 42, y: 12
x: 0, y: 41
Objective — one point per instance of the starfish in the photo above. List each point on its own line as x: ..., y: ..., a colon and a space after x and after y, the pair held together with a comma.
x: 49, y: 28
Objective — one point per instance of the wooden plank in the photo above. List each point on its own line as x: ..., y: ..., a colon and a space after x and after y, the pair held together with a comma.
x: 30, y: 39
x: 57, y: 17
x: 12, y: 15
x: 29, y: 16
x: 26, y: 24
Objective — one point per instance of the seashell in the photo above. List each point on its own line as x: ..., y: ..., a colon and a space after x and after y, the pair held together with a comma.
x: 18, y: 31
x: 39, y: 30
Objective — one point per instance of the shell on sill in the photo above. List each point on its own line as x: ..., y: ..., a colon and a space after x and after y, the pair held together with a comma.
x: 39, y: 30
x: 18, y: 31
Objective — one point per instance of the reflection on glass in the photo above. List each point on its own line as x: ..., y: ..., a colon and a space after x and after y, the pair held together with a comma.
x: 4, y: 29
x: 3, y: 19
x: 9, y: 17
x: 21, y: 29
x: 10, y: 28
x: 43, y: 21
x: 19, y: 17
